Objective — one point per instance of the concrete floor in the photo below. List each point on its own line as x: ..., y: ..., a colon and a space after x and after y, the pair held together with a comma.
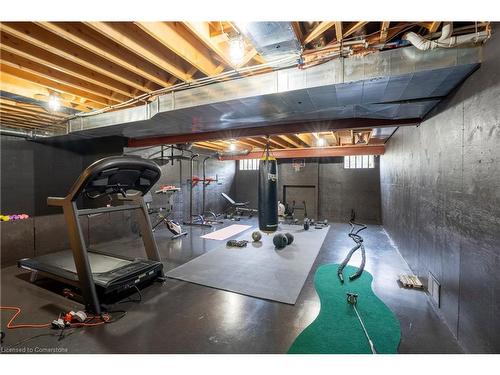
x: 179, y: 317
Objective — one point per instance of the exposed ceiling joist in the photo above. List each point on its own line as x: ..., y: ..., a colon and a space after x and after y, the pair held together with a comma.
x: 110, y: 51
x: 383, y: 31
x: 40, y: 70
x: 202, y: 31
x: 315, y: 152
x: 176, y: 38
x: 54, y: 61
x: 30, y: 89
x: 117, y: 33
x: 53, y: 85
x: 355, y: 27
x: 44, y: 39
x: 317, y: 31
x: 306, y: 138
x: 338, y: 31
x: 30, y: 108
x: 262, y: 131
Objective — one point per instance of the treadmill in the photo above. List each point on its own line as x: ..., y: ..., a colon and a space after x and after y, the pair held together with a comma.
x: 124, y: 180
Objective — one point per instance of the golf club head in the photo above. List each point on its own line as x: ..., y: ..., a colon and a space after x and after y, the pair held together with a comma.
x: 352, y: 298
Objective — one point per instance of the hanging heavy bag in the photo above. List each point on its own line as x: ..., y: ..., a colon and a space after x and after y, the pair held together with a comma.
x: 268, y: 194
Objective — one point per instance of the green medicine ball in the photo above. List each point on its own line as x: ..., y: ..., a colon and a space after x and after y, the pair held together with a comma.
x: 256, y: 236
x: 289, y: 238
x: 280, y: 241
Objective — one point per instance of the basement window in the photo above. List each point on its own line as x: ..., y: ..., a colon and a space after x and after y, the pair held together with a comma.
x: 359, y: 161
x: 249, y: 165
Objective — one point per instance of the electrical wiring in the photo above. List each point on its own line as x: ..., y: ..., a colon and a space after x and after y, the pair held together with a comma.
x: 11, y: 325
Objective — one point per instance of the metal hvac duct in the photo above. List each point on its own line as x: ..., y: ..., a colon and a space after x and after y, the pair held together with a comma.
x: 272, y: 40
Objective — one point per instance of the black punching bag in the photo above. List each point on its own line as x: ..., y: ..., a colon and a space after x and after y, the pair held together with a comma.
x: 268, y: 194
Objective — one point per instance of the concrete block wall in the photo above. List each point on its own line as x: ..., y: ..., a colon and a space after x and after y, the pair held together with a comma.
x: 440, y: 186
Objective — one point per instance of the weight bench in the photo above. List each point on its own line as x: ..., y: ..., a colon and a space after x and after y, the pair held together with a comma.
x: 237, y: 208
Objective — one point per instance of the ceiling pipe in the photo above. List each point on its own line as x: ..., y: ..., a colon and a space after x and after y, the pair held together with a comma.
x: 445, y: 40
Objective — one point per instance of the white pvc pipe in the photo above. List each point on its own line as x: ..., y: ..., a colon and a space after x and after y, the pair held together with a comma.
x: 445, y: 40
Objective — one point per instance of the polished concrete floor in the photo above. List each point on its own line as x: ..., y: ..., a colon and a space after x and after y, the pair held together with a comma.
x: 179, y: 317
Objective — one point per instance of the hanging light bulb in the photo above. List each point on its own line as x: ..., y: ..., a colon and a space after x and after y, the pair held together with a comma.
x: 236, y: 49
x: 321, y: 142
x: 54, y: 103
x: 232, y: 147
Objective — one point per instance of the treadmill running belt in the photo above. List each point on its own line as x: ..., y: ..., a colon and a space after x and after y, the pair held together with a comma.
x: 99, y: 263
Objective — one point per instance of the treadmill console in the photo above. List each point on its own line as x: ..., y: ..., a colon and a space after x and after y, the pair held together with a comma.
x: 116, y: 175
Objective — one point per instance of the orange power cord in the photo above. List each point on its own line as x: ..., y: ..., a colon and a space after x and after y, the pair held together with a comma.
x: 105, y: 318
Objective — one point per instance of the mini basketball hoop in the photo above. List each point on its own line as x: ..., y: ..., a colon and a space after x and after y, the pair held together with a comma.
x: 298, y: 164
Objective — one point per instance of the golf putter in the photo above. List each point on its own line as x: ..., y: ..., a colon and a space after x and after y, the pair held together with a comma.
x: 352, y: 299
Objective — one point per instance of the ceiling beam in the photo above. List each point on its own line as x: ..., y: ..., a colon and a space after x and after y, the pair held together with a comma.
x: 272, y: 129
x: 384, y: 26
x: 355, y: 27
x: 283, y: 141
x: 43, y: 39
x: 27, y: 88
x: 33, y: 116
x: 298, y: 31
x: 315, y: 152
x: 26, y: 118
x: 38, y: 55
x: 338, y: 31
x: 110, y: 50
x: 434, y: 26
x: 137, y: 46
x: 217, y: 45
x: 93, y: 100
x: 19, y: 124
x: 30, y: 108
x: 176, y: 38
x: 296, y: 141
x: 202, y: 31
x: 306, y: 138
x: 317, y: 31
x: 40, y: 70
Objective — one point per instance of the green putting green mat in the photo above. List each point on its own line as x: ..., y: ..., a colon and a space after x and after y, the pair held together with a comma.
x: 336, y: 329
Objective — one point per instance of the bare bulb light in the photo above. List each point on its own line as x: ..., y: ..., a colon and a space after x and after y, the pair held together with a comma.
x: 232, y: 147
x: 54, y: 103
x: 236, y: 49
x: 321, y: 142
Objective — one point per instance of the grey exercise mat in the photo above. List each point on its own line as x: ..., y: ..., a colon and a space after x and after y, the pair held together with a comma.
x: 258, y: 270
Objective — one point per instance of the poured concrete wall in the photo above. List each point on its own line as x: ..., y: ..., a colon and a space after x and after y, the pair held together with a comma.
x: 440, y: 187
x: 338, y: 190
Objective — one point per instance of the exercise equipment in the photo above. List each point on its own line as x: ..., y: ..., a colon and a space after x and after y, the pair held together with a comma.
x: 163, y: 212
x: 236, y: 208
x: 289, y: 213
x: 256, y: 236
x: 352, y: 299
x: 199, y: 219
x: 280, y: 241
x: 268, y: 192
x: 354, y: 235
x: 209, y: 217
x: 336, y: 329
x: 289, y: 238
x: 97, y: 275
